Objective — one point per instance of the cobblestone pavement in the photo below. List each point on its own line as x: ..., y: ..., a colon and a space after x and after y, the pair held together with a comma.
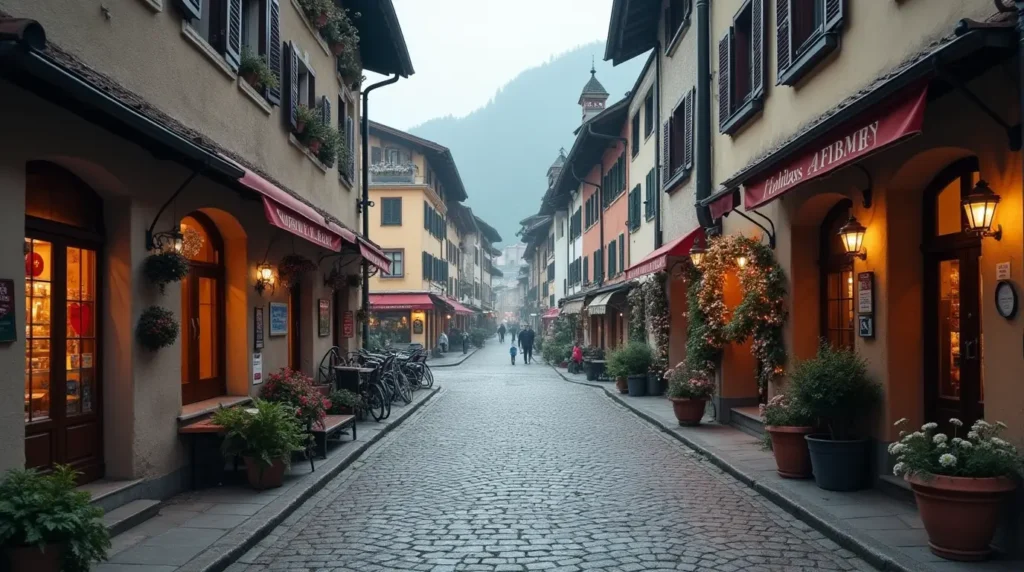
x: 511, y: 468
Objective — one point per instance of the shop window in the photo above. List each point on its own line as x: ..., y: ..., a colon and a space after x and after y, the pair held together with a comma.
x: 806, y: 32
x: 837, y: 314
x: 741, y: 58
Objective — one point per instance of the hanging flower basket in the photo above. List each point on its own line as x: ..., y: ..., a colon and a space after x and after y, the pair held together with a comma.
x: 293, y: 268
x: 338, y: 280
x: 158, y: 328
x: 164, y: 268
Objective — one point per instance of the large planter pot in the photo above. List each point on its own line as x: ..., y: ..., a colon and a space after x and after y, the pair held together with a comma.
x: 261, y: 478
x: 637, y: 385
x: 960, y: 514
x: 792, y: 457
x: 655, y: 384
x: 594, y: 370
x: 688, y: 411
x: 32, y: 559
x: 838, y: 465
x: 621, y: 385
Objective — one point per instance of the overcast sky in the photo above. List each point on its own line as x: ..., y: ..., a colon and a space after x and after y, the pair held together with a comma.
x: 463, y: 51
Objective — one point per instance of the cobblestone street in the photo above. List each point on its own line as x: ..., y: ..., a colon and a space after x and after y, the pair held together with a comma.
x: 511, y: 468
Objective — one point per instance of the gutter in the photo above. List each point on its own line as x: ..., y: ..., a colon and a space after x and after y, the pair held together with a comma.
x: 703, y: 133
x: 657, y: 147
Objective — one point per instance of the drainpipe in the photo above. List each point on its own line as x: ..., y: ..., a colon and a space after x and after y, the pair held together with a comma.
x: 703, y: 134
x: 364, y: 202
x: 657, y: 146
x: 1020, y: 60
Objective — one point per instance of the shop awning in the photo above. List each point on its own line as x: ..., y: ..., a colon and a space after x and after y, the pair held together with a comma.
x: 550, y: 314
x: 459, y: 308
x: 374, y: 255
x: 401, y: 302
x: 658, y: 260
x: 573, y: 307
x: 599, y: 305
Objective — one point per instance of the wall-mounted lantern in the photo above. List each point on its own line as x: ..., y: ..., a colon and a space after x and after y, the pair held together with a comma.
x: 264, y: 278
x: 980, y: 207
x: 852, y: 235
x: 697, y: 255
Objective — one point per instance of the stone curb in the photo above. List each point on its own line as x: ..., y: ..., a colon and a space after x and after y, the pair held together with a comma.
x: 869, y: 549
x: 466, y: 357
x: 240, y: 540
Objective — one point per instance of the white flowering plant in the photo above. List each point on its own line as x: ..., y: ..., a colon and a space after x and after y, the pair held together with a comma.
x: 981, y: 453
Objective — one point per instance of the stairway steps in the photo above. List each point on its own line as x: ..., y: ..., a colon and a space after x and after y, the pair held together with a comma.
x: 130, y: 515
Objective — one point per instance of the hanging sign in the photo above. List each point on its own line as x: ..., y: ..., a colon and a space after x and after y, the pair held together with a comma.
x: 348, y: 324
x: 257, y: 319
x: 866, y: 293
x: 257, y: 368
x: 8, y: 329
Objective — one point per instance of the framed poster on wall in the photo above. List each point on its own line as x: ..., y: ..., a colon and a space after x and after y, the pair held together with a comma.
x: 324, y: 317
x: 257, y: 333
x: 278, y: 319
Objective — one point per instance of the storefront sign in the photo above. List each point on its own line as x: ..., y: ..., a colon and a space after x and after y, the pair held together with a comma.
x: 866, y: 293
x: 348, y: 325
x: 8, y: 329
x: 287, y: 219
x: 257, y: 368
x: 858, y: 138
x: 1003, y: 271
x: 278, y: 319
x: 417, y: 326
x: 324, y: 317
x: 866, y: 326
x: 1006, y: 299
x: 257, y: 319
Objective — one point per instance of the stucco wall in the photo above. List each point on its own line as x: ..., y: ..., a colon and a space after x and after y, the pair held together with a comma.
x: 410, y: 236
x: 641, y: 240
x: 561, y: 254
x: 616, y: 216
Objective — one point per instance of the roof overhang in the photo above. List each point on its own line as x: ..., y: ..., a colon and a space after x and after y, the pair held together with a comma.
x: 381, y: 42
x: 487, y: 230
x: 632, y: 29
x: 440, y: 158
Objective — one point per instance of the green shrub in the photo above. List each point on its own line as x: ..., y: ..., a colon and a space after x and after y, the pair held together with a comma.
x: 36, y: 510
x: 163, y: 268
x: 835, y: 388
x: 271, y: 433
x: 782, y: 411
x: 253, y: 66
x: 635, y: 358
x: 555, y: 353
x: 478, y: 336
x: 345, y: 398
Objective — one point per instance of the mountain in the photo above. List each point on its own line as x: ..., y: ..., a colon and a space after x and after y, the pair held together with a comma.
x: 503, y: 150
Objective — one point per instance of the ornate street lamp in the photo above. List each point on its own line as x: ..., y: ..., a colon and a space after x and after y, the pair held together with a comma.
x: 264, y: 278
x: 741, y: 261
x: 852, y: 235
x: 697, y: 254
x: 980, y: 207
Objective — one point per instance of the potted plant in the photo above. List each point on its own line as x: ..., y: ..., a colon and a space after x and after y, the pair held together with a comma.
x: 345, y: 402
x: 304, y: 117
x: 319, y: 12
x: 293, y: 268
x: 164, y: 268
x: 330, y: 142
x: 656, y: 378
x: 265, y: 438
x: 632, y: 361
x: 787, y: 423
x: 961, y: 484
x: 835, y: 389
x: 593, y: 362
x: 46, y: 525
x: 158, y: 328
x: 254, y: 70
x: 689, y: 390
x: 296, y: 389
x: 315, y: 134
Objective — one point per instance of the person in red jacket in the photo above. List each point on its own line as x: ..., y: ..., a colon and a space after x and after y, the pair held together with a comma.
x: 577, y: 357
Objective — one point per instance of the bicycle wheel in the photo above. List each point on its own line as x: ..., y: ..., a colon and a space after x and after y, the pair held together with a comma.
x: 428, y: 377
x: 404, y: 388
x: 375, y: 402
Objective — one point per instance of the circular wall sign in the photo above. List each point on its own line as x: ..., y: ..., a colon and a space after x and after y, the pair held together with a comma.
x: 1006, y: 299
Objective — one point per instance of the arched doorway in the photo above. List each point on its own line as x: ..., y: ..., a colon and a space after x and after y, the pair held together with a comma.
x: 63, y: 390
x: 202, y: 311
x: 836, y: 310
x: 954, y: 384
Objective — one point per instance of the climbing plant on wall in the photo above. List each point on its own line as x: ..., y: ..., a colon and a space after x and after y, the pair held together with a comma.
x: 759, y: 316
x: 637, y: 320
x: 657, y: 317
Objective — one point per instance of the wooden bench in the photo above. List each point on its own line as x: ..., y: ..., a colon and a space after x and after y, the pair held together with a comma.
x: 332, y: 425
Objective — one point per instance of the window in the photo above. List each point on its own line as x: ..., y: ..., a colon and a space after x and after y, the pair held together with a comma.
x: 347, y: 129
x: 560, y: 228
x: 300, y: 87
x: 433, y: 222
x: 614, y: 182
x: 586, y: 270
x: 650, y: 206
x: 649, y: 113
x: 677, y: 17
x: 599, y: 265
x: 837, y: 310
x: 391, y: 211
x: 741, y: 65
x: 678, y: 142
x: 622, y: 252
x: 551, y: 271
x: 612, y: 258
x: 576, y: 224
x: 397, y: 258
x: 635, y: 133
x: 634, y: 208
x: 551, y: 301
x: 435, y: 269
x: 806, y: 32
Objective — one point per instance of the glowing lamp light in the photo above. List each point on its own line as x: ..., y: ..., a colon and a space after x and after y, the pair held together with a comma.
x: 266, y: 273
x: 179, y: 242
x: 697, y: 255
x: 852, y: 235
x: 264, y: 278
x: 741, y: 261
x: 980, y: 207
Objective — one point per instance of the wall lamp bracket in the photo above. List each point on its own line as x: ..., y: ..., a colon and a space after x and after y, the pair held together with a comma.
x: 770, y: 233
x: 172, y: 238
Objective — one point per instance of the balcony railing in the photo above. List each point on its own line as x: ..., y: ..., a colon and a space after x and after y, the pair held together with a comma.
x: 392, y: 173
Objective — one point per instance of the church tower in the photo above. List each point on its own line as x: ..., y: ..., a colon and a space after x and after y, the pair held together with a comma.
x: 594, y: 96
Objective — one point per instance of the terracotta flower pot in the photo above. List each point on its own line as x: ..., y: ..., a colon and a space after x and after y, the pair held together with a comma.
x: 337, y: 49
x: 960, y: 514
x: 314, y: 146
x: 251, y: 79
x: 621, y: 384
x: 688, y: 411
x: 792, y: 457
x: 32, y: 559
x: 321, y: 20
x: 300, y: 126
x: 261, y: 478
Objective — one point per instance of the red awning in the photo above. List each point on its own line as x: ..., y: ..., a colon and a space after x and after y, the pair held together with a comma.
x: 658, y: 260
x: 858, y: 138
x: 374, y: 255
x: 723, y: 205
x: 551, y: 314
x: 401, y: 302
x: 459, y: 308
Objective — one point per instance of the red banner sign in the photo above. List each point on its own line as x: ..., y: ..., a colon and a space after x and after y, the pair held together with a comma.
x: 348, y: 325
x: 855, y: 140
x: 287, y: 219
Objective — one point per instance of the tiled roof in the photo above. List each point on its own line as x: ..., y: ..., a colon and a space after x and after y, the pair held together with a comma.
x: 593, y: 86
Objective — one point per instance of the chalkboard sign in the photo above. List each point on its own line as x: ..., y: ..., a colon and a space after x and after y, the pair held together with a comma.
x: 8, y: 330
x: 257, y: 319
x: 278, y: 319
x: 417, y: 326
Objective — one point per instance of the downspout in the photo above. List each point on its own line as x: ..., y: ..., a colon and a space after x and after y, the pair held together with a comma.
x: 364, y: 202
x: 1020, y: 61
x: 625, y: 148
x: 657, y: 146
x: 703, y: 134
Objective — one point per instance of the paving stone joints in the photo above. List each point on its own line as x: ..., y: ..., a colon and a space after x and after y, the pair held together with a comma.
x: 509, y: 469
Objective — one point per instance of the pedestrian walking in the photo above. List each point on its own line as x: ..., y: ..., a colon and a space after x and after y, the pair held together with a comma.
x: 501, y: 333
x: 465, y: 342
x: 442, y: 341
x: 512, y: 352
x: 515, y: 332
x: 526, y: 341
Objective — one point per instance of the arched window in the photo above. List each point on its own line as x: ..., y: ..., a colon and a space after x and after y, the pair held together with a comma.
x: 944, y: 216
x: 202, y: 311
x: 837, y: 312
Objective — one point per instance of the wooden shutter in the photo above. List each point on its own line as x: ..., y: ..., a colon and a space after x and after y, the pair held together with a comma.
x: 586, y: 269
x: 631, y: 209
x: 758, y: 48
x: 350, y: 141
x: 688, y: 128
x: 291, y: 74
x: 833, y: 14
x: 783, y: 37
x: 666, y: 162
x: 192, y: 9
x: 325, y: 111
x: 272, y: 49
x: 724, y: 79
x: 622, y: 249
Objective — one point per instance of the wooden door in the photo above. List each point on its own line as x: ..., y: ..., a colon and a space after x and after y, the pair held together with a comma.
x: 202, y: 313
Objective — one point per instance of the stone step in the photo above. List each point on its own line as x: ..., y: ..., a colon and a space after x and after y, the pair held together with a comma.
x: 748, y: 420
x: 895, y: 487
x: 130, y: 515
